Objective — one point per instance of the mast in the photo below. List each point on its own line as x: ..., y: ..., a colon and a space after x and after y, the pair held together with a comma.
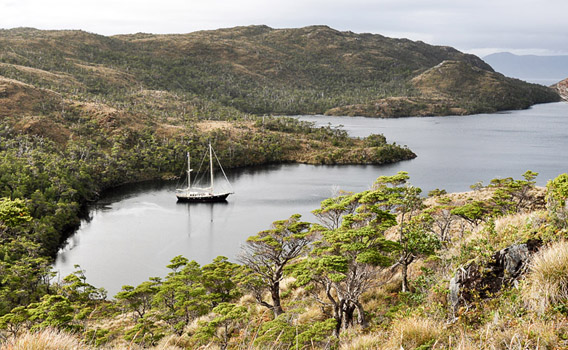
x: 188, y: 170
x: 211, y: 165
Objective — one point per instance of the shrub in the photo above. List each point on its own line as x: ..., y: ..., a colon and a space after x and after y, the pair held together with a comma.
x: 556, y: 200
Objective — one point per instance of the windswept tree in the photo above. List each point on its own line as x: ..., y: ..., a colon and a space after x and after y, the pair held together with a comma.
x: 332, y: 210
x: 512, y: 196
x: 347, y: 259
x: 441, y: 219
x: 138, y: 300
x: 181, y: 297
x: 414, y: 239
x: 475, y: 212
x: 343, y: 265
x: 266, y: 254
x: 228, y: 320
x: 557, y: 201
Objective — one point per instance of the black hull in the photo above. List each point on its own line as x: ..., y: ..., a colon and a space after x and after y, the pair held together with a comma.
x: 204, y: 199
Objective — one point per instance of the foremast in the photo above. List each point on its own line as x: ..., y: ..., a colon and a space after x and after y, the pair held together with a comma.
x: 188, y: 170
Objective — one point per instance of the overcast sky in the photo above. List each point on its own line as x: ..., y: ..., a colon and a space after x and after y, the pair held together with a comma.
x: 475, y: 26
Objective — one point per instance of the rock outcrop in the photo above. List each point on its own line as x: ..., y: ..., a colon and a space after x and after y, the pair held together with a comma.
x: 480, y: 281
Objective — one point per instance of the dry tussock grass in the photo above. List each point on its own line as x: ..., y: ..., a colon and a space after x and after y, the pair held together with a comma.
x: 363, y: 342
x: 536, y: 334
x: 311, y: 315
x: 414, y: 331
x: 47, y: 339
x: 518, y: 227
x: 547, y: 281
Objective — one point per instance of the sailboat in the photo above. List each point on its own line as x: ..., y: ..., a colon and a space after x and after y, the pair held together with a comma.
x: 197, y: 194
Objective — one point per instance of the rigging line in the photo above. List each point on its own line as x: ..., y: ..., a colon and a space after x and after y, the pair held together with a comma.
x: 223, y: 171
x: 181, y: 175
x: 199, y: 176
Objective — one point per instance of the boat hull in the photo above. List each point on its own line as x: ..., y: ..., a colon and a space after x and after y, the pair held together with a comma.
x: 206, y: 198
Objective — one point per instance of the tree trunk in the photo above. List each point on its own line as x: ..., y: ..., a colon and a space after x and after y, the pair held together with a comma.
x: 348, y: 311
x: 276, y: 303
x: 338, y: 316
x: 404, y: 276
x: 361, y: 319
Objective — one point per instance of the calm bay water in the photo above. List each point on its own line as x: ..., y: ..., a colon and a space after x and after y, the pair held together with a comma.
x: 135, y: 230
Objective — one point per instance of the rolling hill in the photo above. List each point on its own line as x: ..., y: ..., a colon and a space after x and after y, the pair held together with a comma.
x: 261, y: 70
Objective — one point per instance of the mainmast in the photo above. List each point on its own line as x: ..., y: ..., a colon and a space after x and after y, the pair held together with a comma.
x: 211, y: 165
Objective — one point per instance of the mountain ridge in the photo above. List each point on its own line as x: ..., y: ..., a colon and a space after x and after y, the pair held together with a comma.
x: 256, y: 69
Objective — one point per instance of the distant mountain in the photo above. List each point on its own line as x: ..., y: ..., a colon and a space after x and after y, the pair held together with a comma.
x: 261, y: 70
x: 545, y: 70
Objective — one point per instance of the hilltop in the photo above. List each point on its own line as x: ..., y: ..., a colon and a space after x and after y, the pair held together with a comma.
x: 261, y: 70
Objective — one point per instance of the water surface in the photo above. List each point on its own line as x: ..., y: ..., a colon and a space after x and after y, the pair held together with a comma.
x: 135, y: 230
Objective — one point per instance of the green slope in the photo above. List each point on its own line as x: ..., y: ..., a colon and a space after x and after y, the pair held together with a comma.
x: 254, y: 69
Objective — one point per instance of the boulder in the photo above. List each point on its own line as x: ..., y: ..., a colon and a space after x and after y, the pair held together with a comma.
x: 476, y: 281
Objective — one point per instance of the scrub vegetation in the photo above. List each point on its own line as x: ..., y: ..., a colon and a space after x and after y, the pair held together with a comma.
x: 373, y: 272
x: 81, y: 113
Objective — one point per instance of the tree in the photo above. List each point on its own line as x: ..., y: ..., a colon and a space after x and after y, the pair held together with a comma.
x: 332, y: 210
x: 511, y: 196
x: 76, y: 288
x: 345, y: 261
x: 219, y: 280
x: 474, y: 212
x: 416, y: 240
x: 139, y: 299
x: 268, y: 253
x: 441, y: 217
x: 52, y: 311
x: 557, y: 200
x: 229, y: 318
x: 182, y: 297
x: 13, y: 213
x: 344, y: 264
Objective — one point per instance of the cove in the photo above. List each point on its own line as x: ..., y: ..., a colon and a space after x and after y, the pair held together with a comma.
x: 135, y: 230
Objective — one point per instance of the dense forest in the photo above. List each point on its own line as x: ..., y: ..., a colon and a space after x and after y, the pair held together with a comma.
x: 81, y: 113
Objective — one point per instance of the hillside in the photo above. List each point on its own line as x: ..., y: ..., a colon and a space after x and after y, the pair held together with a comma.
x: 254, y: 69
x: 545, y: 70
x: 562, y: 88
x: 81, y: 113
x: 484, y: 269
